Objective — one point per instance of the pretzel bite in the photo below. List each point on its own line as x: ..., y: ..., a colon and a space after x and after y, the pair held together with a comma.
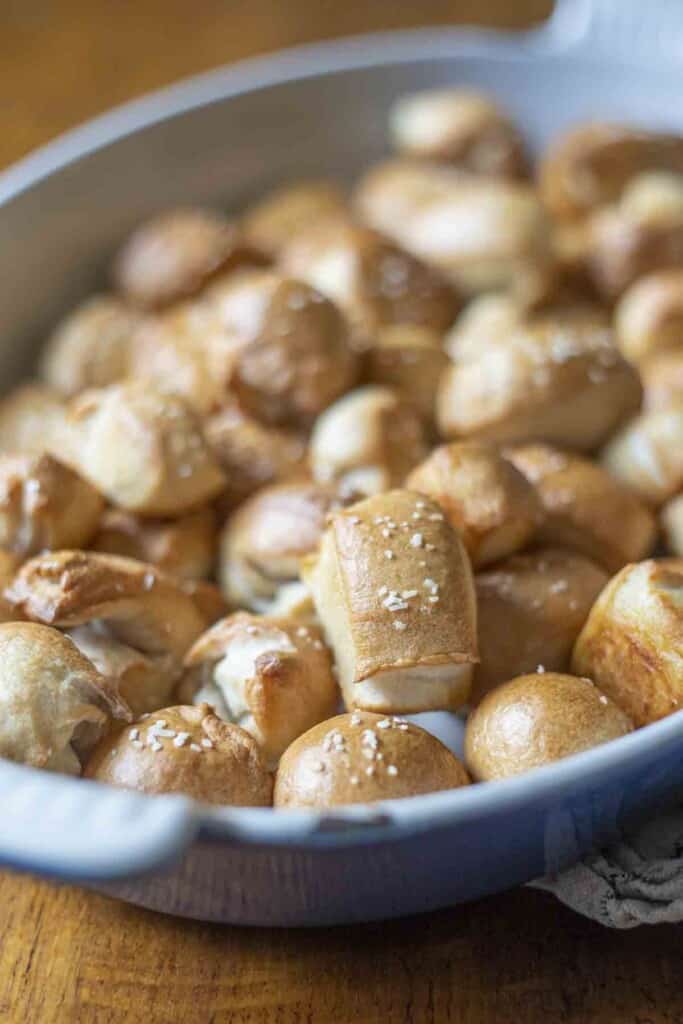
x: 551, y: 380
x: 54, y: 705
x: 483, y: 235
x: 647, y: 455
x: 143, y: 450
x: 373, y: 281
x: 173, y: 255
x: 31, y: 420
x: 367, y: 441
x: 530, y: 610
x: 586, y: 510
x: 460, y: 127
x: 182, y: 547
x: 488, y: 501
x: 672, y: 524
x: 252, y: 454
x: 44, y: 504
x: 272, y: 222
x: 393, y: 589
x: 137, y: 604
x: 294, y: 356
x: 590, y: 165
x: 537, y: 719
x: 487, y: 317
x: 90, y: 348
x: 263, y: 542
x: 186, y: 750
x: 641, y: 234
x: 273, y: 676
x: 9, y: 564
x: 662, y: 378
x: 649, y: 316
x: 362, y: 758
x: 409, y: 360
x: 144, y: 681
x: 208, y: 599
x: 632, y: 643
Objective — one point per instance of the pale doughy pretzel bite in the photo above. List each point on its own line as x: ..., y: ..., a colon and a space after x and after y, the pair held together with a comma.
x: 174, y: 255
x: 393, y: 589
x: 487, y: 317
x: 184, y: 547
x: 361, y: 758
x: 632, y: 643
x: 186, y: 750
x: 142, y: 450
x: 649, y: 315
x: 294, y: 354
x: 485, y: 498
x: 272, y: 222
x: 647, y: 455
x: 483, y: 235
x: 265, y: 539
x: 536, y: 719
x: 662, y: 377
x: 367, y: 441
x: 31, y: 420
x: 138, y: 604
x: 91, y: 347
x: 586, y: 510
x: 460, y: 127
x: 551, y: 380
x: 376, y: 283
x: 45, y: 505
x: 530, y: 610
x: 273, y: 676
x: 54, y: 705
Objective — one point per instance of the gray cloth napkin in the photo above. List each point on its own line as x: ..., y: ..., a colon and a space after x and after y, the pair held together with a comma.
x: 637, y: 881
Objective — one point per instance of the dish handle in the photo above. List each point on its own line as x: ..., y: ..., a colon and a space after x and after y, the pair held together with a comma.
x: 626, y: 30
x: 77, y: 830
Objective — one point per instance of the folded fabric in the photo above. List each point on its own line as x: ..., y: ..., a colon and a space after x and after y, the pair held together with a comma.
x: 637, y: 881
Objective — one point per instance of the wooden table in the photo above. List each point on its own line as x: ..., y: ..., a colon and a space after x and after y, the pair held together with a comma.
x: 66, y: 955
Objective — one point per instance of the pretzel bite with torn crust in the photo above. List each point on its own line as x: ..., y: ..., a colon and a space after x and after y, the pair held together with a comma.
x: 137, y: 604
x: 265, y: 539
x: 91, y: 347
x: 590, y: 165
x: 530, y: 610
x: 536, y: 719
x: 362, y: 758
x: 272, y: 222
x: 460, y: 127
x: 373, y: 281
x: 54, y: 705
x: 294, y: 354
x: 488, y: 501
x: 44, y: 505
x: 31, y: 420
x: 649, y: 316
x: 367, y: 441
x: 174, y: 255
x: 252, y: 454
x: 186, y: 750
x: 144, y: 451
x: 647, y: 455
x: 632, y: 643
x: 641, y: 234
x: 182, y: 547
x: 272, y: 676
x: 671, y: 518
x: 410, y: 361
x: 393, y: 589
x: 586, y: 510
x: 483, y: 235
x: 564, y: 383
x: 662, y: 378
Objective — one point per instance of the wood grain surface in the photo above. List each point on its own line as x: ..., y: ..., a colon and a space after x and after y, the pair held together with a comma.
x: 73, y: 956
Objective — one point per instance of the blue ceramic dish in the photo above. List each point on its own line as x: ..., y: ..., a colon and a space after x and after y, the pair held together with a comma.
x: 221, y: 139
